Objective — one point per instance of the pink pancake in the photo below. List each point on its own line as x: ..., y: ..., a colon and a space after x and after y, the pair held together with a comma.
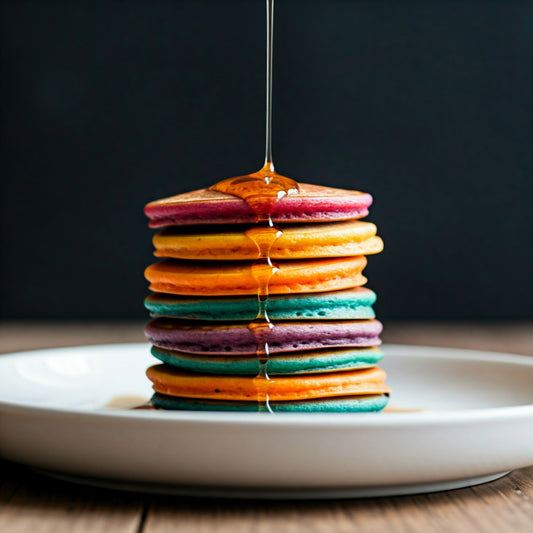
x: 313, y: 203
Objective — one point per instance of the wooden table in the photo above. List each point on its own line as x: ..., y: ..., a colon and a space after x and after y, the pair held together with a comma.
x: 30, y: 502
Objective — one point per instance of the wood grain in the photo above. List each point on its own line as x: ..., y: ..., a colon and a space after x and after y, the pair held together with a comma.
x: 33, y: 503
x: 507, y: 337
x: 494, y: 507
x: 30, y: 502
x: 34, y: 335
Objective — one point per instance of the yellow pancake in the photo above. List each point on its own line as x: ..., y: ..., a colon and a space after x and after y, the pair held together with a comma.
x: 168, y: 380
x: 219, y: 278
x: 297, y: 241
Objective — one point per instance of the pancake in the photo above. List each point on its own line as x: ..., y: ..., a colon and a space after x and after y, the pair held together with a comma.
x: 298, y: 241
x: 170, y: 381
x: 221, y: 278
x: 234, y: 338
x: 259, y: 303
x: 347, y: 404
x: 344, y: 304
x: 313, y: 203
x: 311, y: 362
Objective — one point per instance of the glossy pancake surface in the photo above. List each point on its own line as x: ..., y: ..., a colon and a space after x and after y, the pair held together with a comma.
x: 214, y: 278
x: 313, y: 203
x: 234, y: 338
x: 309, y: 362
x: 348, y: 303
x: 298, y: 241
x: 173, y: 382
x: 347, y: 404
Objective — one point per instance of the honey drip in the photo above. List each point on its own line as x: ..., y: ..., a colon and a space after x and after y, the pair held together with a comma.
x: 262, y: 190
x: 263, y: 269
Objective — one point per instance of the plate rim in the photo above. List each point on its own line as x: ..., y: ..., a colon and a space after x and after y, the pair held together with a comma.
x: 382, y: 419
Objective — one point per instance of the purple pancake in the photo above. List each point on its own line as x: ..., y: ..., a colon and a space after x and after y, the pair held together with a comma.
x: 226, y: 339
x: 313, y: 203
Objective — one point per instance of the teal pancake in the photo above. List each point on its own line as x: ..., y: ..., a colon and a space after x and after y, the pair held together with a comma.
x: 344, y: 304
x: 313, y: 362
x: 349, y: 404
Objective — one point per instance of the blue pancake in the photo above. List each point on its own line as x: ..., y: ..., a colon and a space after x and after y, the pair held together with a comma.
x: 311, y: 362
x: 345, y: 304
x: 347, y: 404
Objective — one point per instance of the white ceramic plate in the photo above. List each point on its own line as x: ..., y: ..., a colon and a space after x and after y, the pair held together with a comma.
x: 471, y: 421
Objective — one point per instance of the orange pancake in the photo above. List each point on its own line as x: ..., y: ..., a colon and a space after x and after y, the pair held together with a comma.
x: 170, y: 381
x: 218, y: 278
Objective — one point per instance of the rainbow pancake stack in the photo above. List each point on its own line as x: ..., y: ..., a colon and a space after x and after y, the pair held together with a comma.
x: 323, y: 338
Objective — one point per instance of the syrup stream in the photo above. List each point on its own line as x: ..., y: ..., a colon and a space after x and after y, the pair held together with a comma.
x: 269, y: 49
x: 263, y: 269
x: 262, y: 190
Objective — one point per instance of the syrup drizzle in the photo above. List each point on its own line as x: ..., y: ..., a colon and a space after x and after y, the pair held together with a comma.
x: 263, y: 269
x: 262, y: 190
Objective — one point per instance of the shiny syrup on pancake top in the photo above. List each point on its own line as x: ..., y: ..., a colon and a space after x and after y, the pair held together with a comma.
x: 261, y: 191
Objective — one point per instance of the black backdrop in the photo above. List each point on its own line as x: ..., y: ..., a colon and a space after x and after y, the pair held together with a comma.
x: 427, y: 105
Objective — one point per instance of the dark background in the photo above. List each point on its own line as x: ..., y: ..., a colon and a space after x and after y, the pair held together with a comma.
x: 426, y: 105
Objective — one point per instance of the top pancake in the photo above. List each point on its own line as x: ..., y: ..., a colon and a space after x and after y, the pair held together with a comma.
x: 313, y: 203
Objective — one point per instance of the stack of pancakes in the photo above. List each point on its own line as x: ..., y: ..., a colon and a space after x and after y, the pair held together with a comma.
x: 323, y: 346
